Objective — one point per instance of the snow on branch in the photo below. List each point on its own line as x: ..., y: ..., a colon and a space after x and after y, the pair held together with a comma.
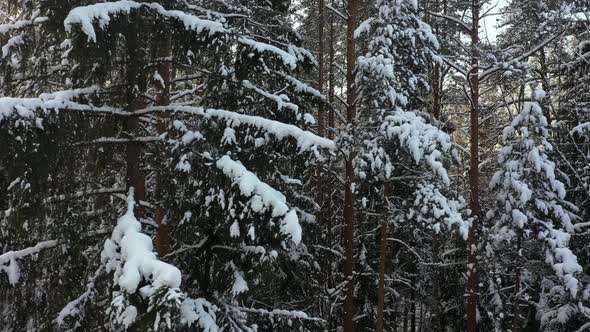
x: 8, y: 27
x: 78, y: 194
x: 61, y: 100
x: 8, y: 260
x: 305, y: 140
x: 581, y: 128
x: 267, y: 197
x: 301, y: 87
x: 483, y: 75
x: 129, y: 253
x: 282, y: 313
x: 335, y: 11
x: 287, y: 58
x: 101, y: 12
x: 199, y: 311
x: 12, y: 43
x: 281, y: 100
x: 422, y: 140
x: 75, y: 308
x: 436, y: 210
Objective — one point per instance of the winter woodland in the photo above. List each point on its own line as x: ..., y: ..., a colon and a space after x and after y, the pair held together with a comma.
x: 295, y: 165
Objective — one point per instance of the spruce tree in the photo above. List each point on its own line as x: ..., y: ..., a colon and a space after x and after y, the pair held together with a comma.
x: 157, y: 116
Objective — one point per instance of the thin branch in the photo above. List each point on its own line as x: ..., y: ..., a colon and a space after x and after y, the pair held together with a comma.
x: 453, y: 19
x: 335, y: 11
x: 485, y: 74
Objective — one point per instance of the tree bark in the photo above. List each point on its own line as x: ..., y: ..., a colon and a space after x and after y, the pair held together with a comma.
x: 135, y: 78
x: 381, y: 287
x: 519, y: 262
x: 164, y: 68
x: 349, y: 307
x: 413, y: 312
x: 321, y: 115
x: 473, y: 173
x: 331, y: 123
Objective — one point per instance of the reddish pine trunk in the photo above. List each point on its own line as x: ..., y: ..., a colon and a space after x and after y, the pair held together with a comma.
x: 473, y: 174
x: 163, y: 98
x: 162, y: 240
x: 135, y: 77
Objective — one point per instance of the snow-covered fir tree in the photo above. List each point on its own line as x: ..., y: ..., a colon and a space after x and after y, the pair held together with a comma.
x: 165, y: 117
x: 538, y: 273
x: 403, y: 180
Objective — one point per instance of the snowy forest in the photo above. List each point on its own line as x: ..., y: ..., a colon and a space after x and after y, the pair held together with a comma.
x: 295, y: 165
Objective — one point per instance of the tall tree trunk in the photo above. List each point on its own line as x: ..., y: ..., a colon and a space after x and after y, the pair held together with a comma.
x: 135, y: 79
x: 436, y: 70
x: 436, y: 95
x: 544, y: 71
x: 519, y: 263
x: 321, y: 115
x: 164, y: 69
x: 406, y: 311
x: 473, y: 173
x: 413, y: 312
x: 436, y: 318
x: 331, y: 123
x: 349, y: 307
x: 381, y: 287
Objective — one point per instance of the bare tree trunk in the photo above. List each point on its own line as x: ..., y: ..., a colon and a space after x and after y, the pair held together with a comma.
x: 164, y: 68
x: 544, y: 71
x: 349, y: 307
x: 436, y: 74
x: 331, y: 123
x: 436, y: 96
x: 135, y: 78
x: 321, y: 122
x: 473, y: 173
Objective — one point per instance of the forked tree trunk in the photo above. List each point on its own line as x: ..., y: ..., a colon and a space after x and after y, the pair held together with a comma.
x: 473, y: 173
x: 349, y: 307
